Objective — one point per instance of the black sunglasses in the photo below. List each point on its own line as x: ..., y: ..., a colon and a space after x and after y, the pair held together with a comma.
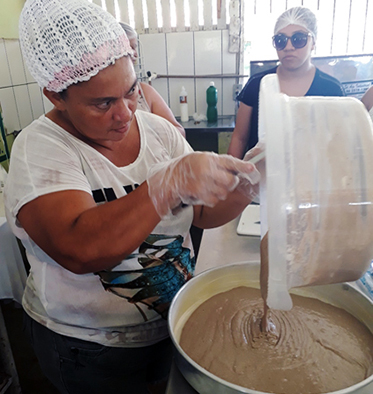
x: 298, y: 40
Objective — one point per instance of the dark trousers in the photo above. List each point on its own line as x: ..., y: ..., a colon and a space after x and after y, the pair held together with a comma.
x: 75, y: 366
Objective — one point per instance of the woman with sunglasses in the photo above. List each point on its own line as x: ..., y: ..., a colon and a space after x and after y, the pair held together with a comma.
x: 294, y: 40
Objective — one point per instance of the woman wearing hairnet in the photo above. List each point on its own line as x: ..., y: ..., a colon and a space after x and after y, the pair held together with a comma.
x: 102, y: 197
x: 294, y: 40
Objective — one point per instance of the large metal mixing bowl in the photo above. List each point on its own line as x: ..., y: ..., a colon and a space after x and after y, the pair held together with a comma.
x: 220, y: 279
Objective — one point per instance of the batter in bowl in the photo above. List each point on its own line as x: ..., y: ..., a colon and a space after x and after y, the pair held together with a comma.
x: 313, y: 348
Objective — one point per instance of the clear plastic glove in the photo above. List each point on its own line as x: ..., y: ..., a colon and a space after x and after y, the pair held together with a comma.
x: 199, y: 178
x: 255, y: 156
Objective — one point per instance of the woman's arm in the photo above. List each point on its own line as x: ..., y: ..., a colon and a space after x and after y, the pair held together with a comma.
x: 221, y: 213
x: 84, y: 237
x: 159, y: 107
x: 241, y: 132
x: 228, y: 209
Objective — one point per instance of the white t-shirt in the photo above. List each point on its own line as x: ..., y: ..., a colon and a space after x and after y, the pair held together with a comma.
x: 45, y: 159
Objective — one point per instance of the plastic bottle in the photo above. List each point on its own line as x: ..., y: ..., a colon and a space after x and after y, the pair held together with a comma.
x: 212, y: 100
x: 184, y: 105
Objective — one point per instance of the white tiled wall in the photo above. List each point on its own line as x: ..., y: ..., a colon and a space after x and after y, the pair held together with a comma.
x: 191, y: 54
x: 194, y: 54
x: 20, y: 97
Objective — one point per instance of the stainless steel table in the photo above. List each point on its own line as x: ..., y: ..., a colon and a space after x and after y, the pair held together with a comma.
x: 222, y: 245
x: 219, y: 246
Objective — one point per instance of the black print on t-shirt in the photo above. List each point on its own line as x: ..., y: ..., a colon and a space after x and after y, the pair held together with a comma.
x: 108, y: 194
x: 164, y: 267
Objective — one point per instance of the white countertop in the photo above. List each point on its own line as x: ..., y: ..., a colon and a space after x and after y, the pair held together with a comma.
x: 222, y: 245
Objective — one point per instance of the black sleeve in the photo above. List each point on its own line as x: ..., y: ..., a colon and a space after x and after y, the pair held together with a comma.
x: 250, y: 93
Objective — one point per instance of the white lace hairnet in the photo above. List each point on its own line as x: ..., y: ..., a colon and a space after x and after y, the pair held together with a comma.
x: 300, y: 16
x: 68, y: 41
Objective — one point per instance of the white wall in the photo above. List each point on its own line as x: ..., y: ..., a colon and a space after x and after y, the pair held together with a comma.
x: 185, y: 53
x: 9, y: 14
x: 20, y: 97
x: 200, y: 53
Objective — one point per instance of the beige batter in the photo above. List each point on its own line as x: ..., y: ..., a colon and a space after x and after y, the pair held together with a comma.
x: 313, y: 348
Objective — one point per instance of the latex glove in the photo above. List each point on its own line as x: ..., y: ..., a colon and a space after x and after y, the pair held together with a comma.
x: 255, y: 156
x: 199, y: 178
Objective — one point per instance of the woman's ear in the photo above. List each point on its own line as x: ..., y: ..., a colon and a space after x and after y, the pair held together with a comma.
x: 55, y: 98
x: 313, y: 43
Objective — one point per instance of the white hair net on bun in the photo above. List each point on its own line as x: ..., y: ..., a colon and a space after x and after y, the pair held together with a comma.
x: 300, y: 16
x: 69, y: 41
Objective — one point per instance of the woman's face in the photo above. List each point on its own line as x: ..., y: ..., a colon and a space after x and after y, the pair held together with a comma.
x: 293, y: 58
x: 100, y: 111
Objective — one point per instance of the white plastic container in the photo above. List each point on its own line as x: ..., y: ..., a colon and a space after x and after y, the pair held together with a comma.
x: 317, y: 198
x: 184, y: 116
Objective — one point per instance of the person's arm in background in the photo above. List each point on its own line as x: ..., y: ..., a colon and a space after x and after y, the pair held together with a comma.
x: 159, y: 107
x: 367, y: 98
x: 241, y: 132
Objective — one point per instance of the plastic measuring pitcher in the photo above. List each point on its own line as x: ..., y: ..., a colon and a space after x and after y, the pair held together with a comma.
x: 317, y: 190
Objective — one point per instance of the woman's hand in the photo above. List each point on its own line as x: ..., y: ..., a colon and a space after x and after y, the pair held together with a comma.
x: 255, y: 156
x: 199, y: 178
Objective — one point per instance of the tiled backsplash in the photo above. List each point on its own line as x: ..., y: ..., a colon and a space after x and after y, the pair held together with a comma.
x: 192, y: 54
x: 20, y: 97
x: 189, y: 54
